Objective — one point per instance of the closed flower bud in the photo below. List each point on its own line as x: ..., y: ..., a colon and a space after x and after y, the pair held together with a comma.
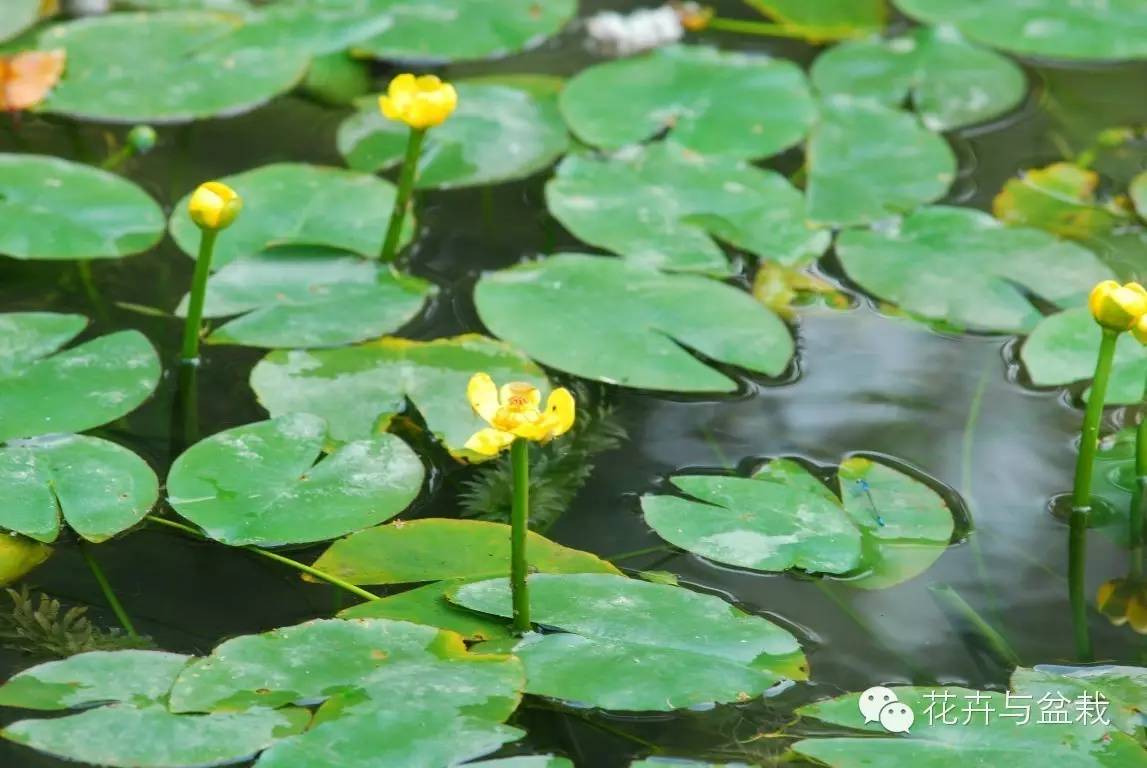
x: 420, y: 102
x: 1140, y: 329
x: 214, y: 206
x: 141, y: 139
x: 18, y: 556
x: 1118, y: 307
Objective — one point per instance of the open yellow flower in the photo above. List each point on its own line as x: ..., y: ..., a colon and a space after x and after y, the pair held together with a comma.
x: 420, y: 102
x: 1124, y: 601
x: 1117, y: 307
x: 515, y: 411
x: 214, y: 206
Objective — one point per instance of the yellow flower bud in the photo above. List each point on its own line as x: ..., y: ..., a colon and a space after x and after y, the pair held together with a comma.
x: 214, y: 206
x: 1140, y: 329
x: 1117, y: 307
x: 694, y: 17
x: 18, y: 556
x: 420, y: 102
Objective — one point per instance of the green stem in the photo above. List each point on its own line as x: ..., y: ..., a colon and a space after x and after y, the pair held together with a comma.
x: 637, y: 553
x: 190, y: 353
x: 91, y: 290
x: 405, y: 190
x: 322, y: 575
x: 519, y: 526
x: 953, y: 601
x: 109, y: 593
x: 765, y: 29
x: 1081, y: 496
x: 117, y: 158
x: 1138, y: 497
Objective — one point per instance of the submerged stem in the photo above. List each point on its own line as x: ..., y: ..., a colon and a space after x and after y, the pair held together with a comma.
x: 190, y: 351
x: 405, y: 190
x: 310, y: 571
x: 519, y: 527
x: 1081, y: 495
x: 1138, y: 497
x: 109, y: 593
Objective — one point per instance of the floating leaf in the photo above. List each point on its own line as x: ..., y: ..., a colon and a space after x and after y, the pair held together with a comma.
x: 500, y: 132
x: 670, y: 762
x: 964, y: 268
x: 294, y: 204
x: 195, y: 68
x: 1054, y: 29
x: 18, y: 16
x: 1059, y: 199
x: 634, y: 645
x: 713, y: 102
x: 56, y: 209
x: 99, y: 677
x: 950, y: 83
x: 822, y: 20
x: 611, y: 320
x: 433, y: 549
x: 529, y: 761
x: 867, y: 162
x: 259, y: 483
x: 982, y: 740
x: 428, y: 605
x: 360, y: 389
x: 124, y: 736
x: 45, y: 391
x: 1123, y: 688
x: 663, y: 205
x: 309, y: 297
x: 1063, y: 348
x: 99, y: 488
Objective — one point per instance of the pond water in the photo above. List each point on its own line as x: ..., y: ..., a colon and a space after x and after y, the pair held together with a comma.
x: 954, y: 408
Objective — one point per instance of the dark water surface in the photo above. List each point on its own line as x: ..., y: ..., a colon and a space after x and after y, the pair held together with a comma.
x: 952, y: 407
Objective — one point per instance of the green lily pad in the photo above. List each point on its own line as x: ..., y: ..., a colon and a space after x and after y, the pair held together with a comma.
x: 635, y: 645
x: 983, y: 740
x: 950, y: 82
x: 124, y: 736
x: 1053, y: 29
x: 867, y: 162
x: 1063, y: 348
x: 433, y: 549
x: 527, y: 761
x: 962, y: 267
x: 358, y: 390
x: 671, y: 762
x: 614, y: 321
x: 98, y: 677
x: 763, y: 523
x: 259, y: 483
x: 56, y: 209
x: 317, y: 27
x: 99, y: 488
x: 195, y: 68
x: 822, y: 20
x: 309, y: 297
x: 1123, y: 688
x: 452, y: 30
x: 428, y: 605
x: 45, y: 391
x: 1139, y: 194
x: 713, y: 102
x: 18, y: 16
x: 500, y: 132
x: 1060, y: 199
x: 663, y: 205
x: 293, y: 204
x: 305, y: 663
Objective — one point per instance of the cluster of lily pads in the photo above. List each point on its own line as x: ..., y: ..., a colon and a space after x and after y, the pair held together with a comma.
x: 657, y: 164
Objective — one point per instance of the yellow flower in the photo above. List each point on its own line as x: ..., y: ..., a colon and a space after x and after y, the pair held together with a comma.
x: 1124, y: 601
x: 1140, y: 329
x: 694, y: 17
x: 515, y: 411
x: 420, y: 102
x: 18, y: 556
x: 1117, y: 307
x: 214, y: 206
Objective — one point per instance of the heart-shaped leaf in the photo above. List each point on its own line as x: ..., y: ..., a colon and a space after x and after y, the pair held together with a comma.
x: 309, y: 297
x: 950, y: 82
x: 1123, y: 688
x: 428, y: 605
x: 98, y: 677
x: 56, y: 209
x: 502, y: 130
x: 433, y: 549
x: 294, y: 204
x: 962, y: 267
x: 713, y: 102
x: 663, y: 205
x: 195, y: 68
x: 1053, y: 29
x: 611, y: 320
x: 259, y: 483
x: 359, y: 389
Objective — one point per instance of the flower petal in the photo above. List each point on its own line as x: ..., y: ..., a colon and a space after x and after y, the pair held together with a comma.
x: 560, y: 411
x: 483, y: 396
x: 489, y: 442
x: 402, y: 85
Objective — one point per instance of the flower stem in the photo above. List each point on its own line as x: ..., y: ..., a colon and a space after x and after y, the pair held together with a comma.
x: 1138, y: 497
x: 1081, y: 496
x: 323, y: 575
x: 405, y: 190
x: 109, y: 593
x: 519, y: 527
x: 190, y: 353
x: 767, y: 29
